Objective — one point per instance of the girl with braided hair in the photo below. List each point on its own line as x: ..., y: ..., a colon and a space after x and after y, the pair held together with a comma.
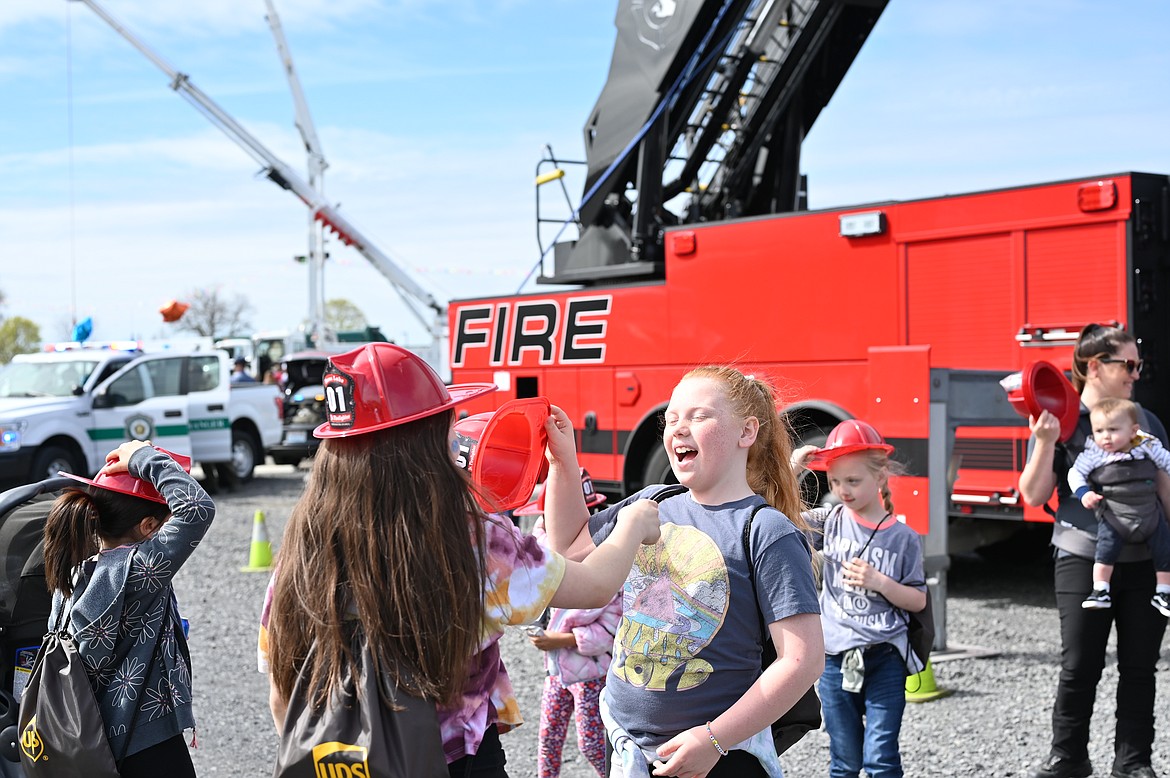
x: 873, y: 578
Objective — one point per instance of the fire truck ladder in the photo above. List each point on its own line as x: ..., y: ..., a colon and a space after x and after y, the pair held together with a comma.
x: 723, y: 141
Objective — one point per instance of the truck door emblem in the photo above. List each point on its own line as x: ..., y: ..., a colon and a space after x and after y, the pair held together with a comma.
x: 139, y: 427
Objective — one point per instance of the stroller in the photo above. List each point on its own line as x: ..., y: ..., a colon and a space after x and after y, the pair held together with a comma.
x: 24, y: 602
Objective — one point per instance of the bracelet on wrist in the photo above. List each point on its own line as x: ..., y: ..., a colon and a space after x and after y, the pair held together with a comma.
x: 722, y: 751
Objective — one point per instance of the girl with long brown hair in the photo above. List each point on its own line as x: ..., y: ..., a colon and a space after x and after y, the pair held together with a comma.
x: 388, y: 540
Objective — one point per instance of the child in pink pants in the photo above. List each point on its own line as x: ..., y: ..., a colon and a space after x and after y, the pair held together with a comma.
x: 577, y: 646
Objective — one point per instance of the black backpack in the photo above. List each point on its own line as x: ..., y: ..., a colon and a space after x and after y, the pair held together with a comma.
x: 805, y: 715
x: 24, y: 600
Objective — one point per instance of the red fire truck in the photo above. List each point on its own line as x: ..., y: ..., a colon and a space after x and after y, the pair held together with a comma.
x: 695, y: 250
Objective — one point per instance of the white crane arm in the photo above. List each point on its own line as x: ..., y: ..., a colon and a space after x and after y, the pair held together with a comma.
x: 287, y: 178
x: 304, y: 119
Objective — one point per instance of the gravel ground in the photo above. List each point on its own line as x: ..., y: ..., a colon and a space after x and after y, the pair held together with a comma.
x: 996, y: 722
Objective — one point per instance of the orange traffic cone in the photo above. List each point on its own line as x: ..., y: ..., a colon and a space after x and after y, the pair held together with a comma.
x: 260, y: 555
x: 920, y: 687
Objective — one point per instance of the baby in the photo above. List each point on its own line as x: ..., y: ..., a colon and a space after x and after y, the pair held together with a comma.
x: 1115, y: 476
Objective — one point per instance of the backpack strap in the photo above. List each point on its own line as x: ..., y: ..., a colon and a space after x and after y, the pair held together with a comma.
x: 747, y: 552
x: 805, y: 714
x: 668, y: 491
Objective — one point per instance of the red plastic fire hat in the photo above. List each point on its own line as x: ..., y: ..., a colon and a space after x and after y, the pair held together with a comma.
x: 380, y: 385
x: 504, y: 450
x: 124, y: 483
x: 1042, y: 387
x: 593, y: 499
x: 849, y: 437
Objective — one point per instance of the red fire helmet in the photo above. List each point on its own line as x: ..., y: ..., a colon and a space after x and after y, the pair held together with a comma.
x: 849, y: 437
x: 504, y: 450
x: 1042, y: 387
x: 124, y: 483
x: 593, y: 499
x: 380, y: 385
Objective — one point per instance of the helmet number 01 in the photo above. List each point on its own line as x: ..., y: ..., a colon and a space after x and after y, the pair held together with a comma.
x: 339, y: 398
x: 335, y: 399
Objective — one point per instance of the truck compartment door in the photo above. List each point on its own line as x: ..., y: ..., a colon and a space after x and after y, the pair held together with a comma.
x: 208, y: 393
x: 143, y: 402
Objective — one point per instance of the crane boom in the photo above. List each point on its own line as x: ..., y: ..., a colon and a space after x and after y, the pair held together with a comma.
x: 431, y: 312
x: 316, y: 167
x: 304, y: 119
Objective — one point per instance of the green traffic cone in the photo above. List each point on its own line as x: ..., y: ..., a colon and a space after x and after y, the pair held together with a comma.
x: 920, y: 686
x: 260, y: 555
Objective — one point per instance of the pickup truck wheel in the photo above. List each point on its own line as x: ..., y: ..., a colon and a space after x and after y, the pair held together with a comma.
x: 245, y: 455
x: 53, y: 459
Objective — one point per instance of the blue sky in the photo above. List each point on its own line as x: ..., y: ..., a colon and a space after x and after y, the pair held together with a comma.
x: 116, y: 195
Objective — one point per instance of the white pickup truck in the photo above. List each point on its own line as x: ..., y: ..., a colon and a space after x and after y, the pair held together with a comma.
x: 66, y: 410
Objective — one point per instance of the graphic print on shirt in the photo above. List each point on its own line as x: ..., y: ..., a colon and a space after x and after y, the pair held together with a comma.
x: 674, y: 603
x: 854, y: 603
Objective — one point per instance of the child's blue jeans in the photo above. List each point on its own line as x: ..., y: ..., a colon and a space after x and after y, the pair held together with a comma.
x: 863, y: 726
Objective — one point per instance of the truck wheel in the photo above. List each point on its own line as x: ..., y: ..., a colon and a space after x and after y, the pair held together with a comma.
x: 53, y: 459
x: 245, y: 455
x: 814, y: 484
x: 657, y: 469
x: 284, y: 459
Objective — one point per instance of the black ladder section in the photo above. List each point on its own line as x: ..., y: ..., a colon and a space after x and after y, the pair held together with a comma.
x: 719, y: 95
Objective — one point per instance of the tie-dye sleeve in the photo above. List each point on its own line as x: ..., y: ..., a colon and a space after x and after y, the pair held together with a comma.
x: 262, y: 640
x: 522, y: 575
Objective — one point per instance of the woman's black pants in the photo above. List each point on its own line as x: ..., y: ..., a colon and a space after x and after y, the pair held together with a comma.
x: 1083, y: 637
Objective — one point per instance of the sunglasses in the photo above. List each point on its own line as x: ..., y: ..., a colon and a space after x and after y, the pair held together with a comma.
x: 1131, y: 366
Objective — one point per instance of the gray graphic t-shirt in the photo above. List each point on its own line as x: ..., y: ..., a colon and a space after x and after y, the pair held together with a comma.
x: 688, y: 645
x: 854, y: 617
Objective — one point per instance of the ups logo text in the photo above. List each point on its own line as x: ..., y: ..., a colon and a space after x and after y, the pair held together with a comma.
x: 340, y: 760
x: 30, y: 741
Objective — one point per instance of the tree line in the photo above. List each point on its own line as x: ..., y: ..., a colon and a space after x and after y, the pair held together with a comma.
x: 18, y: 335
x: 211, y: 313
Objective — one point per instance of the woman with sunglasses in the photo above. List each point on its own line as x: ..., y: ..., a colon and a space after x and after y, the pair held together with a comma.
x: 1105, y: 364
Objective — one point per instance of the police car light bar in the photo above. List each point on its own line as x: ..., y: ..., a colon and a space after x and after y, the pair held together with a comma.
x: 94, y: 345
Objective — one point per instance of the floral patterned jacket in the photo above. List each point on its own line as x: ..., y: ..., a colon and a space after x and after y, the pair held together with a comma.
x: 124, y: 606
